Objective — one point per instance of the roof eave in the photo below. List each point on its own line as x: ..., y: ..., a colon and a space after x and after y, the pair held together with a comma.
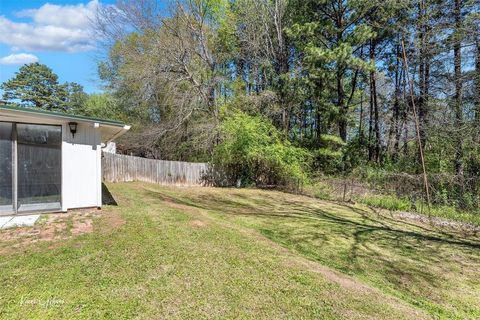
x: 110, y: 136
x: 56, y: 115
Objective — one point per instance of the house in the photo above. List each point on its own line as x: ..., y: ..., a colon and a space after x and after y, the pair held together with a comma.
x: 51, y: 162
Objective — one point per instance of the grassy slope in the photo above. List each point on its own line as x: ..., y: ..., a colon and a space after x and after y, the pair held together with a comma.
x: 197, y: 253
x: 435, y: 270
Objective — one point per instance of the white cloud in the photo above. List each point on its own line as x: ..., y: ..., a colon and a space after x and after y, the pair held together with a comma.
x: 67, y: 16
x: 19, y: 59
x: 53, y: 28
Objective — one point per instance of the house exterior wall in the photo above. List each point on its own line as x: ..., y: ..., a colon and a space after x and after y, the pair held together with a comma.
x: 81, y: 167
x: 81, y: 172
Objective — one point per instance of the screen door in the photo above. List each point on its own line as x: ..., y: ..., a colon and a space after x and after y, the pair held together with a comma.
x: 6, y: 168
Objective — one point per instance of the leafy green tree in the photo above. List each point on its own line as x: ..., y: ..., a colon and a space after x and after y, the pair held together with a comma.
x: 101, y: 105
x: 36, y: 85
x: 252, y: 151
x: 331, y: 46
x: 74, y: 98
x: 329, y: 157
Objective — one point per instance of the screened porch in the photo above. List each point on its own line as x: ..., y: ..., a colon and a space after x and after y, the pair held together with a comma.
x: 30, y: 167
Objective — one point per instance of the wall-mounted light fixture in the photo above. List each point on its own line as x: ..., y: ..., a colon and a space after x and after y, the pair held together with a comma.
x: 73, y: 128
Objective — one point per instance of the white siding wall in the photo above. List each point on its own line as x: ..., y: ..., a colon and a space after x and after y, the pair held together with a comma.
x: 81, y: 167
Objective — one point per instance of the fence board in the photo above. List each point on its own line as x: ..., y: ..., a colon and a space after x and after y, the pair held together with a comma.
x: 123, y: 168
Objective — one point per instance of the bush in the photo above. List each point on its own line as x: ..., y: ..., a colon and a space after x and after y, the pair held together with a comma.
x: 449, y: 212
x: 251, y: 151
x: 322, y: 192
x: 387, y: 202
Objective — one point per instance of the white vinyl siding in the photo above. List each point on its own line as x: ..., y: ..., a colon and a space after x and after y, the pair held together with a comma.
x: 81, y: 167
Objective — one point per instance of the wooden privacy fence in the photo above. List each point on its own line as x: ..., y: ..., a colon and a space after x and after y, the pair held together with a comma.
x: 123, y: 168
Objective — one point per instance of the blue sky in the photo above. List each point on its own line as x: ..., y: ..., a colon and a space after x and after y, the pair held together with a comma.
x: 56, y: 33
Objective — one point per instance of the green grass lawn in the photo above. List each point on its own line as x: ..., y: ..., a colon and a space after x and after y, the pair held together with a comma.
x: 237, y: 253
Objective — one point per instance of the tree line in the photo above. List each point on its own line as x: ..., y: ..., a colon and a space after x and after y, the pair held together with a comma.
x: 352, y: 83
x: 313, y: 67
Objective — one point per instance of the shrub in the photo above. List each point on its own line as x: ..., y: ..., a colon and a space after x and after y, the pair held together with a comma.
x: 387, y: 202
x: 252, y: 151
x: 323, y: 192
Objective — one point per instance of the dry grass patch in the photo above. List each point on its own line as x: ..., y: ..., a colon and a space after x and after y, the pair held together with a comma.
x: 57, y: 227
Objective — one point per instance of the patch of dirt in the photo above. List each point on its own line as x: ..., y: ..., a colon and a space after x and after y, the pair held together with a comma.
x: 115, y: 221
x: 80, y: 227
x: 200, y: 215
x: 198, y: 224
x: 52, y: 230
x: 56, y: 227
x: 438, y: 222
x: 172, y: 203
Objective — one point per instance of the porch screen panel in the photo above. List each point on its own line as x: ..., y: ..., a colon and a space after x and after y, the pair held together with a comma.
x: 39, y: 167
x: 6, y: 180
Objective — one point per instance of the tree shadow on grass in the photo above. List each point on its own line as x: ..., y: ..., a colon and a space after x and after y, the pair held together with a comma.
x: 401, y: 257
x: 364, y: 219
